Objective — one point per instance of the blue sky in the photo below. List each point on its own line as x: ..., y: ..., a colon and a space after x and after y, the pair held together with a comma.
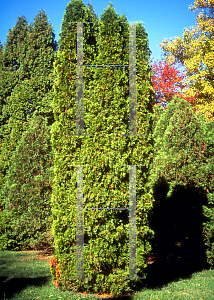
x: 161, y: 18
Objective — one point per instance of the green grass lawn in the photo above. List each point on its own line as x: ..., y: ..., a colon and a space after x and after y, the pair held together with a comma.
x: 26, y: 275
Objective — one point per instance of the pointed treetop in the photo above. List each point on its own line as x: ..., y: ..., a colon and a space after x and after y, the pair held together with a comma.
x: 109, y: 14
x: 76, y: 11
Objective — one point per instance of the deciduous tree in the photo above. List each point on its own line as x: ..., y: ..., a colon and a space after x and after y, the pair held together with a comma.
x: 195, y: 51
x: 168, y: 81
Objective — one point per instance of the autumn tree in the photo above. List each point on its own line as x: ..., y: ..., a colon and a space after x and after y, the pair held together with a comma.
x: 168, y: 81
x: 195, y: 51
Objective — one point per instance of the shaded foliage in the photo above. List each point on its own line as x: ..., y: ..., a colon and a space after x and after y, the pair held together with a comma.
x: 28, y: 189
x: 177, y: 220
x: 27, y: 74
x: 184, y: 155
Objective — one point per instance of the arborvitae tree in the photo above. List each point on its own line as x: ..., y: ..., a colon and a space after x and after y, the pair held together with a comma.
x: 158, y: 111
x: 2, y: 121
x: 208, y: 130
x: 64, y: 106
x: 28, y: 190
x: 39, y: 59
x: 95, y: 20
x: 106, y: 113
x: 13, y: 52
x: 175, y: 119
x: 183, y: 152
x: 2, y: 86
x: 32, y: 51
x: 5, y: 88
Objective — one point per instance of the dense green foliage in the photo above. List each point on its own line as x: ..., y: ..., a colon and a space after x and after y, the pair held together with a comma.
x: 34, y: 95
x: 27, y: 76
x: 208, y: 130
x: 184, y: 153
x: 28, y: 191
x: 10, y: 56
x: 104, y: 150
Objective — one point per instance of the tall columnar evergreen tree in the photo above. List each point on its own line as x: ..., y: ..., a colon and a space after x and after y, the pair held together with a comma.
x: 3, y: 88
x: 103, y: 154
x: 2, y: 121
x: 31, y: 51
x: 11, y: 55
x: 64, y: 106
x: 158, y: 111
x: 95, y: 20
x: 28, y: 190
x: 39, y: 58
x: 184, y: 154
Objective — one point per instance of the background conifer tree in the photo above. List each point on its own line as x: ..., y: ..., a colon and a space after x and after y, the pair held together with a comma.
x: 31, y: 52
x: 184, y: 154
x: 28, y: 58
x: 27, y: 191
x: 2, y: 121
x: 11, y: 55
x: 188, y: 127
x: 208, y: 131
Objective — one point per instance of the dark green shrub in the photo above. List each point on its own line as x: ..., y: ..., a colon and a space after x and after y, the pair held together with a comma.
x: 183, y: 155
x: 208, y: 130
x: 27, y: 190
x: 26, y: 76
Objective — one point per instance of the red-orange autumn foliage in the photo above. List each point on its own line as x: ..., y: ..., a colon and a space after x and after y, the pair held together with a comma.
x: 167, y: 82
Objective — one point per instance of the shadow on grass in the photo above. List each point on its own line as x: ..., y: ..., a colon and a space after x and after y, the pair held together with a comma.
x: 9, y: 287
x: 178, y: 244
